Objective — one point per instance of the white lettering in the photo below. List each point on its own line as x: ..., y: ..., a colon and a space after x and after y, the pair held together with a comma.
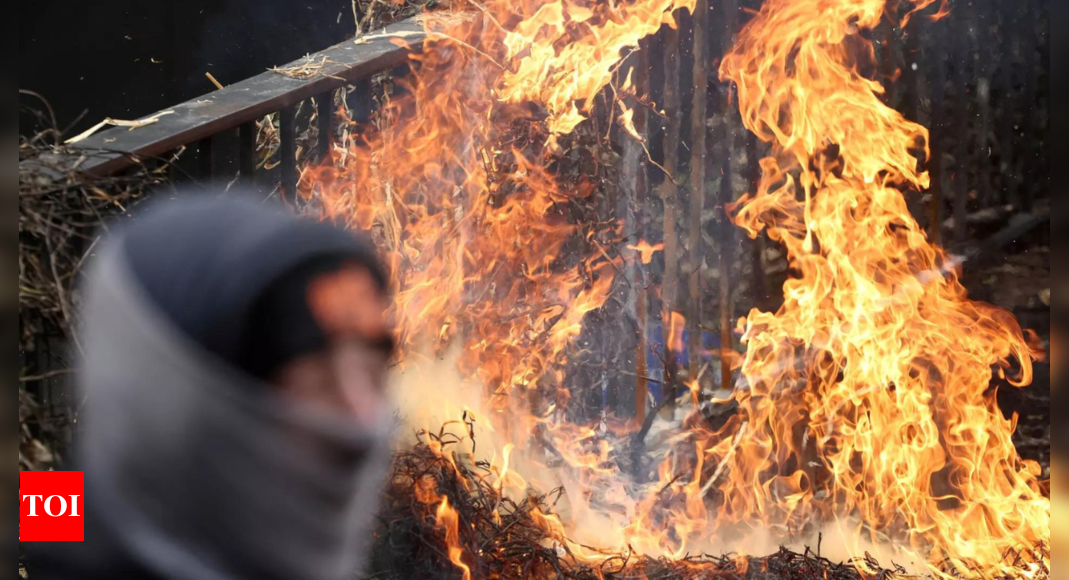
x: 48, y: 505
x: 74, y: 506
x: 33, y: 503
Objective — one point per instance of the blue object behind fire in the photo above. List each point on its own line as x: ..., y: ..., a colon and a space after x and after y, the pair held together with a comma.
x: 656, y: 351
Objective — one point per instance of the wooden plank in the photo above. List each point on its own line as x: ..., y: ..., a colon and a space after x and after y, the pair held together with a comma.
x: 244, y: 102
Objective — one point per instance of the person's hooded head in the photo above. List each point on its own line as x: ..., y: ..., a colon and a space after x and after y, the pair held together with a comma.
x: 235, y: 423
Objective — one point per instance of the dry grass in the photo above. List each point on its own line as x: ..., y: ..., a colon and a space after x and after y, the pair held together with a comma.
x: 312, y: 67
x: 501, y: 539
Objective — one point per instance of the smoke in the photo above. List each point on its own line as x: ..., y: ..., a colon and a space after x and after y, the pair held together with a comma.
x: 429, y: 392
x: 597, y: 506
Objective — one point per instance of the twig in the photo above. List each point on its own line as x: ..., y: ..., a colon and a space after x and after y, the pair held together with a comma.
x: 45, y: 376
x: 462, y: 43
x: 727, y: 458
x: 44, y: 101
x: 109, y: 122
x: 62, y: 292
x: 213, y: 80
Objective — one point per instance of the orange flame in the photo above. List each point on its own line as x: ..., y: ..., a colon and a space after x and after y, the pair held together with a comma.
x: 571, y: 49
x: 864, y: 399
x: 471, y: 226
x: 449, y: 521
x: 645, y: 251
x: 867, y: 393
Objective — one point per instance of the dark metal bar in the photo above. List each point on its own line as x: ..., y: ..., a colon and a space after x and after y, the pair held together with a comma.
x: 754, y: 153
x: 1032, y: 125
x: 1009, y: 105
x: 634, y: 187
x: 247, y: 151
x: 937, y: 57
x: 913, y: 94
x: 983, y: 57
x: 670, y: 288
x: 206, y: 159
x: 726, y: 195
x: 288, y: 151
x: 698, y: 193
x: 361, y: 100
x: 325, y: 115
x: 962, y: 158
x: 244, y: 102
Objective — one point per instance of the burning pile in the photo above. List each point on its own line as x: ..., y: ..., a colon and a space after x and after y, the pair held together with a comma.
x: 432, y: 491
x: 863, y: 404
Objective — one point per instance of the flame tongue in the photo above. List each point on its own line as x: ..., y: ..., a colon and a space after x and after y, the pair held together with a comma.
x: 865, y: 398
x: 867, y: 393
x: 571, y: 51
x: 471, y: 222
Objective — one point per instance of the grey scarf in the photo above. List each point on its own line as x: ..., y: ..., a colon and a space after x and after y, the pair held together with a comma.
x: 200, y: 473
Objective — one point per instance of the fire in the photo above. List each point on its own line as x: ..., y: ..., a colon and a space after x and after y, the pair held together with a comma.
x: 864, y: 401
x: 470, y: 220
x: 449, y: 521
x: 867, y: 393
x: 646, y: 251
x: 572, y: 50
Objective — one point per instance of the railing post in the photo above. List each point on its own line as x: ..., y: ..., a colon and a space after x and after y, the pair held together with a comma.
x: 325, y: 115
x: 205, y: 154
x: 247, y: 152
x: 288, y: 151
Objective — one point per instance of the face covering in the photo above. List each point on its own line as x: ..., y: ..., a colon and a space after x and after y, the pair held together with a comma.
x: 199, y: 471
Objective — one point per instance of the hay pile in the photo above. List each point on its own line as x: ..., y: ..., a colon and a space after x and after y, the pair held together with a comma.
x: 61, y: 214
x: 502, y: 539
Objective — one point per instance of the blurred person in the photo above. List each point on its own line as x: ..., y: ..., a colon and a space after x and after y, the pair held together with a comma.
x: 235, y: 425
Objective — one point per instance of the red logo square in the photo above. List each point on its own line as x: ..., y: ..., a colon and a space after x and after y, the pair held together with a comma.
x: 52, y: 506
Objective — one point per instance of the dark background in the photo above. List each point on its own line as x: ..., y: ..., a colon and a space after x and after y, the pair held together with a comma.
x: 96, y: 59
